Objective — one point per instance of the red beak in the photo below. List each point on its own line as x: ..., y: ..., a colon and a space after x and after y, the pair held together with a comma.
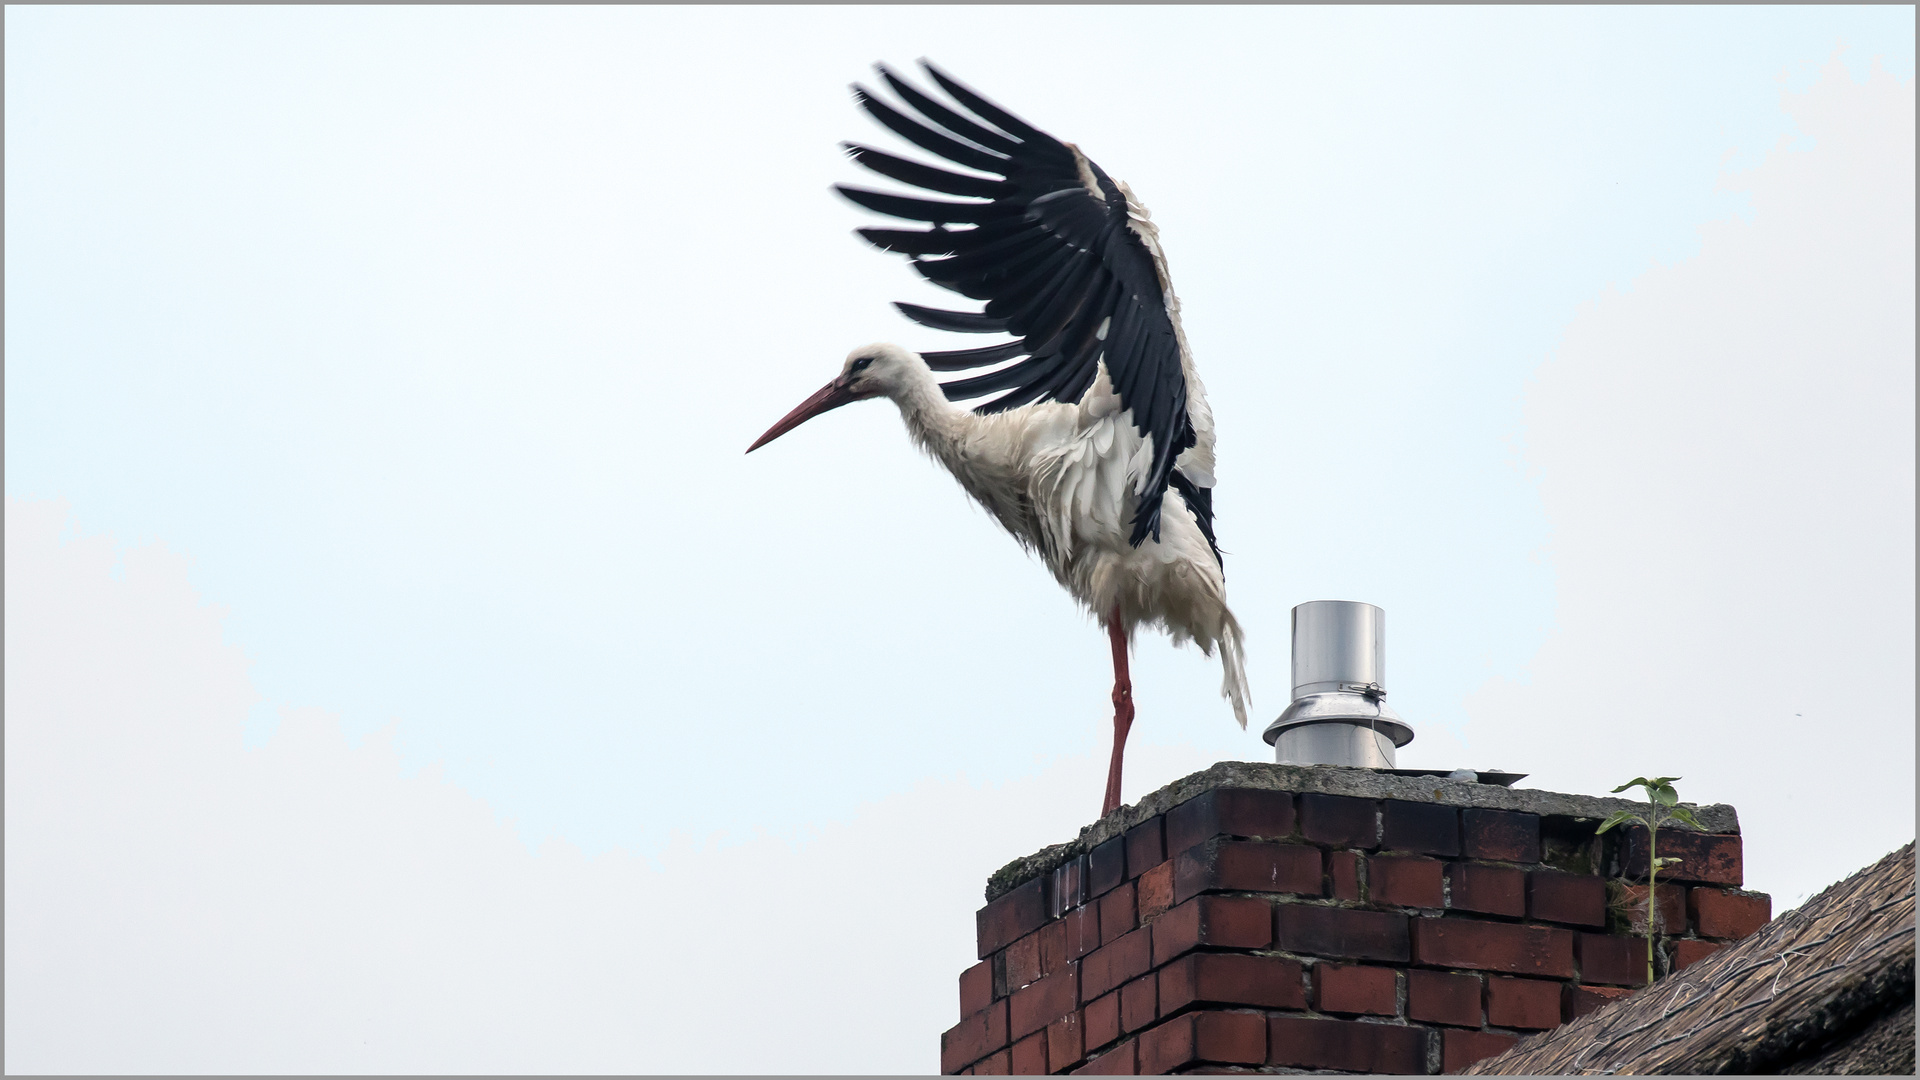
x: 826, y: 399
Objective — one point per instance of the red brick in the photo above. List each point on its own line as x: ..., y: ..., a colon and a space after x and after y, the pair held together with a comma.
x: 1687, y: 952
x: 1246, y: 866
x: 1578, y: 1001
x: 1343, y: 875
x: 1154, y: 891
x: 1228, y: 922
x: 1247, y: 812
x: 1065, y: 1046
x: 1441, y: 997
x: 1420, y: 828
x: 1579, y: 899
x: 1606, y: 958
x: 1101, y: 1021
x: 1029, y: 1056
x: 1115, y: 1062
x: 1459, y: 1049
x: 1718, y: 913
x: 1341, y: 932
x: 1116, y: 913
x: 1372, y: 990
x: 1023, y: 962
x: 1670, y: 903
x: 1011, y: 917
x: 1489, y: 890
x: 1708, y: 858
x: 1221, y: 1038
x: 976, y: 988
x: 1069, y: 886
x: 1081, y: 930
x: 1139, y: 1004
x: 1531, y: 1004
x: 1501, y: 835
x: 1051, y: 998
x: 1107, y: 967
x: 1405, y: 881
x: 1314, y: 1043
x: 996, y: 1064
x: 974, y: 1038
x: 1146, y: 846
x: 1339, y: 821
x: 1053, y: 947
x: 1271, y: 982
x: 1491, y: 946
x: 1106, y: 867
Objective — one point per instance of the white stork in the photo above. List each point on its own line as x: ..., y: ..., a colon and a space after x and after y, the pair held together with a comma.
x: 1105, y: 415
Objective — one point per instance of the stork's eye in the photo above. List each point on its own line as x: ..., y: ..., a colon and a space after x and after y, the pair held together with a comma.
x: 861, y: 364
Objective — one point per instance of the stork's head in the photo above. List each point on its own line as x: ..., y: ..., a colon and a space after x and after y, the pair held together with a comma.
x: 870, y: 371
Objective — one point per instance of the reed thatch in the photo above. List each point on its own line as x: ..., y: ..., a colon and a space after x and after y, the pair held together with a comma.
x: 1825, y: 988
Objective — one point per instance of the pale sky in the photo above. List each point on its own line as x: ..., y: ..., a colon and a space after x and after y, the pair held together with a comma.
x: 400, y: 646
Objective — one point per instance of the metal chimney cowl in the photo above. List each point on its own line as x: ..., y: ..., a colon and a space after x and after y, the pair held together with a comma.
x: 1339, y: 715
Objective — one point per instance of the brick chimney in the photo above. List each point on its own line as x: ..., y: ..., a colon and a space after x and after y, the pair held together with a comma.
x: 1276, y: 918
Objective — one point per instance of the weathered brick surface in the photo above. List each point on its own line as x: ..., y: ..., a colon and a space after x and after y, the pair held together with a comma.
x: 1459, y: 1049
x: 1490, y: 946
x: 1578, y: 1000
x: 1080, y: 931
x: 1065, y: 1043
x: 1153, y: 893
x: 1053, y: 947
x: 1341, y: 933
x: 1500, y: 835
x: 1146, y: 846
x: 1011, y: 917
x: 1107, y: 967
x: 1023, y: 961
x: 1271, y: 982
x: 1100, y: 1021
x: 1244, y: 812
x: 1528, y: 1004
x: 1343, y: 989
x: 1314, y: 1043
x: 1621, y: 961
x: 1034, y: 1007
x: 1343, y: 875
x: 1489, y: 890
x: 1577, y: 899
x: 1246, y: 866
x: 1220, y: 1038
x: 1441, y: 997
x: 1116, y: 912
x: 976, y: 988
x: 1405, y: 881
x: 1069, y: 886
x: 1106, y: 867
x: 1029, y: 1057
x: 1687, y: 952
x: 1721, y: 914
x: 995, y: 1064
x: 974, y: 1038
x: 1420, y: 828
x: 1708, y: 858
x: 1340, y: 821
x: 1115, y: 1062
x: 1139, y: 1003
x: 1230, y: 922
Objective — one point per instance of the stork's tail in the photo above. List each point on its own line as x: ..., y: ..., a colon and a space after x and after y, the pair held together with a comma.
x: 1233, y: 661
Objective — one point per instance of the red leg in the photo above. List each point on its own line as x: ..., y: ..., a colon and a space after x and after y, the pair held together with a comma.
x: 1122, y: 711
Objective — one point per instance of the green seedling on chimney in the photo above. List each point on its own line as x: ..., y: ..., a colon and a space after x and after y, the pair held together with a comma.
x: 1663, y: 805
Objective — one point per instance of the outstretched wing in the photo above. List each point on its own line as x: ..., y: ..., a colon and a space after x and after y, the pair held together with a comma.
x: 1046, y: 242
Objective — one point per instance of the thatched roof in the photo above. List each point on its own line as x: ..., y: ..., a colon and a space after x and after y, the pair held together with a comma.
x: 1827, y: 984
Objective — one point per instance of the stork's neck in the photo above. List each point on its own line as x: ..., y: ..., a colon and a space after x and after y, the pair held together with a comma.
x: 937, y: 424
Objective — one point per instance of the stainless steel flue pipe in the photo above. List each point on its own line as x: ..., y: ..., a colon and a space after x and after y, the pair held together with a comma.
x: 1339, y: 714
